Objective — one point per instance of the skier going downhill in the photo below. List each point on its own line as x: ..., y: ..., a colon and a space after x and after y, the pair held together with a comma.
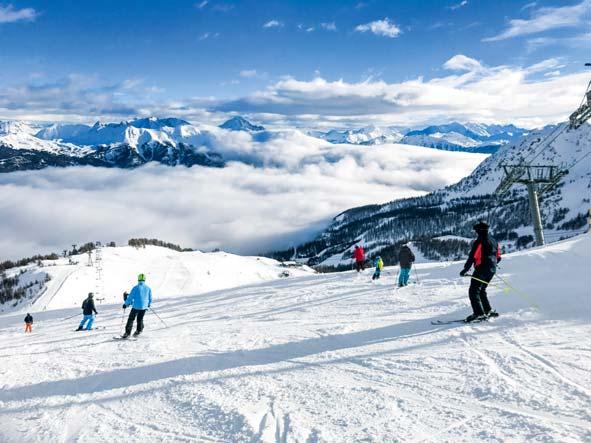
x: 484, y: 255
x: 359, y: 257
x: 140, y: 299
x: 28, y: 323
x: 379, y: 264
x: 406, y: 258
x: 88, y: 309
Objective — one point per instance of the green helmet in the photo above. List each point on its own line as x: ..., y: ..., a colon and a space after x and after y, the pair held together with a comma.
x: 141, y: 277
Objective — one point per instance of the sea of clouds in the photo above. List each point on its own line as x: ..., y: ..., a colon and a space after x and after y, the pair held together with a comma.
x: 274, y: 193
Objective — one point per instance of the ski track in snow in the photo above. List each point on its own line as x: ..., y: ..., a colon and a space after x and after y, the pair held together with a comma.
x: 314, y: 358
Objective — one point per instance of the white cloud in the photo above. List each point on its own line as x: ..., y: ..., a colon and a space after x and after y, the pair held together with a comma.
x: 248, y: 73
x: 329, y: 26
x: 299, y: 184
x: 384, y: 28
x: 545, y: 19
x: 462, y: 63
x: 459, y: 5
x: 202, y: 4
x: 8, y: 14
x: 273, y: 24
x: 501, y: 94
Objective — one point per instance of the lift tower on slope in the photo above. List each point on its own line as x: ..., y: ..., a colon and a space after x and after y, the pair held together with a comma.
x: 539, y: 178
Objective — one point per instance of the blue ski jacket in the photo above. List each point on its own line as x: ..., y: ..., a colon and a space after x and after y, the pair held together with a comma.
x: 140, y: 297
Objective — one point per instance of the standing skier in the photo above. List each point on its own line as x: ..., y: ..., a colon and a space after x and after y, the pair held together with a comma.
x: 484, y: 255
x: 140, y: 298
x: 28, y: 323
x: 379, y: 264
x: 406, y: 258
x: 88, y: 309
x: 359, y: 256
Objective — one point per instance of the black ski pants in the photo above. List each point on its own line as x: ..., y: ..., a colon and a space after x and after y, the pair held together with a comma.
x: 135, y: 313
x: 477, y: 292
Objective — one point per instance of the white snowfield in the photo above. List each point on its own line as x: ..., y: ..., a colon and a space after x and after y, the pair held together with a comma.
x: 170, y: 273
x: 316, y: 358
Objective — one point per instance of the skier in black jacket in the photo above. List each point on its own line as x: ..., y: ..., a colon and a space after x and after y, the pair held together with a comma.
x: 484, y: 255
x: 88, y: 309
x: 406, y: 258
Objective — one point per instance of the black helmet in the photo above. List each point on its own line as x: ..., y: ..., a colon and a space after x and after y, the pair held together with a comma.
x: 481, y: 226
x: 90, y: 294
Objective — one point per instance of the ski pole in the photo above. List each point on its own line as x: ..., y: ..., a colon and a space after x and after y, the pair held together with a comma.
x: 520, y: 293
x: 487, y: 282
x: 416, y: 274
x: 71, y: 316
x: 165, y: 325
x: 122, y: 318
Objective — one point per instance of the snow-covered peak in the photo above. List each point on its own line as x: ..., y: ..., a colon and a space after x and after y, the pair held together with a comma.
x: 239, y: 123
x: 367, y: 135
x: 15, y: 127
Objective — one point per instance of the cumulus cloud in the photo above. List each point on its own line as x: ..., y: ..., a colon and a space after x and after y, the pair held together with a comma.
x: 273, y: 24
x: 468, y: 90
x: 384, y: 28
x: 545, y: 19
x: 500, y: 94
x: 462, y: 63
x: 299, y: 184
x: 9, y: 14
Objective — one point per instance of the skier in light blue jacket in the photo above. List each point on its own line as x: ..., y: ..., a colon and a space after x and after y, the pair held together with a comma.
x: 140, y: 300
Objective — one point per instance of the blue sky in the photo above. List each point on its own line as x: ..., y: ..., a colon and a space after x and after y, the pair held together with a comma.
x: 203, y: 59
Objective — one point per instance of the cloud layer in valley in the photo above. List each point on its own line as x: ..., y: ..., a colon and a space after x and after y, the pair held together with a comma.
x: 298, y: 185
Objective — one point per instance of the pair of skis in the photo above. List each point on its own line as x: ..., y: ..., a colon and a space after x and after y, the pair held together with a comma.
x: 463, y: 320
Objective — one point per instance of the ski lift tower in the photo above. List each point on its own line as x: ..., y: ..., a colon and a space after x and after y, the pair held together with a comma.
x: 98, y: 259
x: 541, y: 178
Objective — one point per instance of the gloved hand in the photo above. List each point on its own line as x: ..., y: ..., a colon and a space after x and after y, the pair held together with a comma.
x: 463, y: 272
x: 124, y: 306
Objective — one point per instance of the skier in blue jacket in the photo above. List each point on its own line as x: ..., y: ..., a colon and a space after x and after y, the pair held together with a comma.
x: 140, y: 300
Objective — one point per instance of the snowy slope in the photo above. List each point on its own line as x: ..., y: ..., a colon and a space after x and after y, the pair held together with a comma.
x: 169, y: 273
x: 454, y: 209
x: 20, y: 135
x: 318, y: 358
x: 470, y: 137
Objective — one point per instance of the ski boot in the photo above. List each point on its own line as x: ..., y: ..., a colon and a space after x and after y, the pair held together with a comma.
x: 80, y: 328
x: 492, y: 314
x: 474, y: 317
x: 124, y: 336
x: 136, y: 333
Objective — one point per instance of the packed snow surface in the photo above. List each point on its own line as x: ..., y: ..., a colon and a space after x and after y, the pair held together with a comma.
x: 313, y: 358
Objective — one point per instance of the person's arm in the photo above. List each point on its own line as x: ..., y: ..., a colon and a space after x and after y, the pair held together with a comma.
x: 470, y: 260
x: 149, y: 297
x: 130, y: 297
x: 94, y: 308
x: 412, y: 257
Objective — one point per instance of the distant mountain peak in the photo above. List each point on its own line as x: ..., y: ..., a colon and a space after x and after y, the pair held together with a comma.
x: 239, y: 123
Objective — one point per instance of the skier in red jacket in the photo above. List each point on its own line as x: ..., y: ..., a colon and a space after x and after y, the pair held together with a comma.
x: 359, y: 256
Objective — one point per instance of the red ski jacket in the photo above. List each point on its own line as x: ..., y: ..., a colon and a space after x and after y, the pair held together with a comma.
x: 359, y: 254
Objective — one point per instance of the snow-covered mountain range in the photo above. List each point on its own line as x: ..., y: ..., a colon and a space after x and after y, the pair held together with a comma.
x: 170, y: 141
x: 454, y: 209
x: 469, y: 137
x: 174, y: 141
